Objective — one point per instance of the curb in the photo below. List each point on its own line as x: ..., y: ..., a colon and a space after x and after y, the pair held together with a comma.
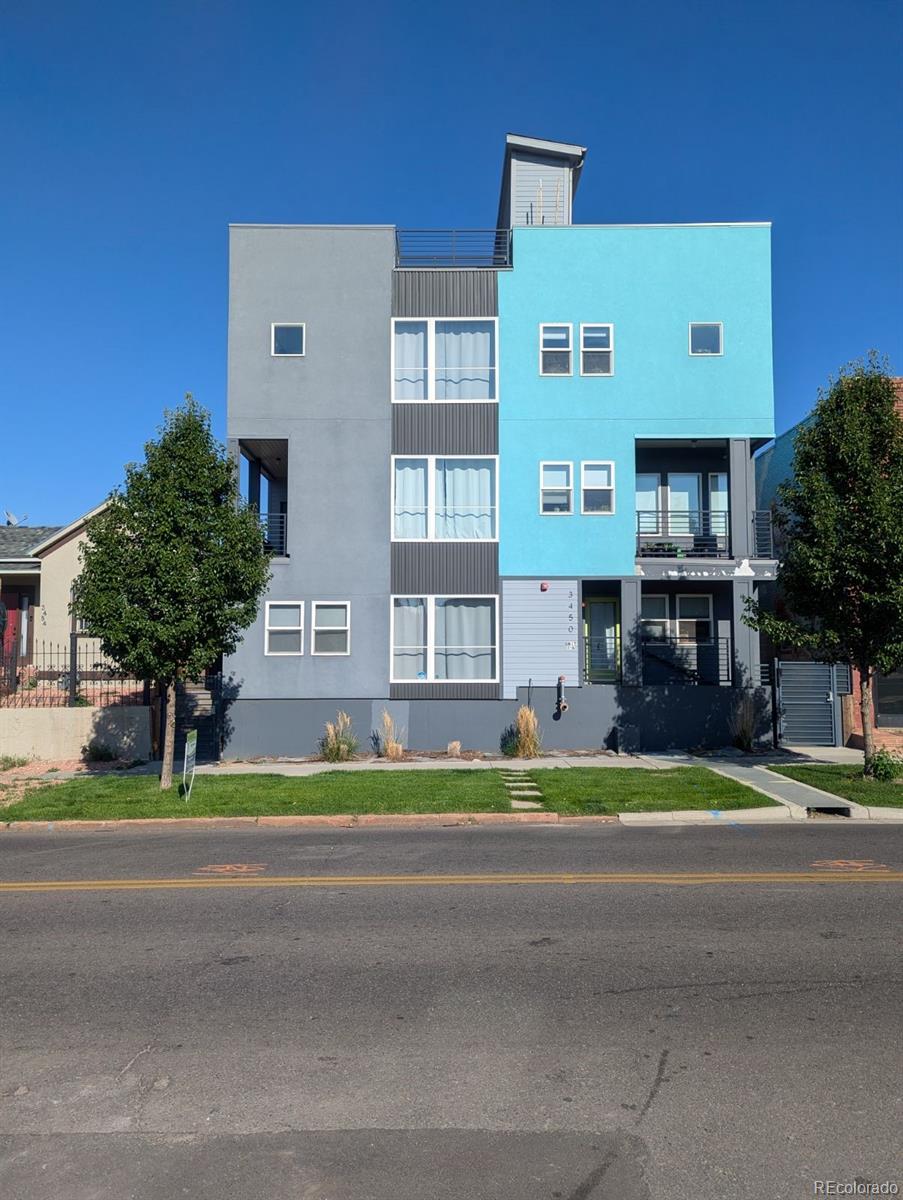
x: 763, y: 816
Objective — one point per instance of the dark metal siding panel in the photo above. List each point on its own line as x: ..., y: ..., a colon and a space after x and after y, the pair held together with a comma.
x: 445, y: 429
x: 450, y: 293
x: 445, y: 568
x: 444, y: 691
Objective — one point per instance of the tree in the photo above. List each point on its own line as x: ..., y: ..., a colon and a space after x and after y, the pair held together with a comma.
x: 841, y: 517
x: 174, y: 565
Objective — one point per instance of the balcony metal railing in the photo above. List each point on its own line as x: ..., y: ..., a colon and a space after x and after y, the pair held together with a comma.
x: 695, y: 533
x: 687, y: 661
x: 453, y: 248
x: 763, y: 534
x: 274, y: 532
x: 601, y: 659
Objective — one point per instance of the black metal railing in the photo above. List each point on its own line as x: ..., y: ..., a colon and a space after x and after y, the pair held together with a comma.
x: 695, y: 533
x: 275, y: 527
x: 763, y: 534
x: 453, y: 248
x: 687, y: 661
x: 51, y: 675
x: 601, y: 659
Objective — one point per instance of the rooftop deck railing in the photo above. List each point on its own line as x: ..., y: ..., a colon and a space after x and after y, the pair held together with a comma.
x: 453, y: 248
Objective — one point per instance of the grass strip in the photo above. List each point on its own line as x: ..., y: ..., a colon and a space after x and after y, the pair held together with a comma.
x: 848, y: 782
x: 604, y: 791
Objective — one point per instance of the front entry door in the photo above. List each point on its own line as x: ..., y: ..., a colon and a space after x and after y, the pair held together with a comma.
x: 602, y: 634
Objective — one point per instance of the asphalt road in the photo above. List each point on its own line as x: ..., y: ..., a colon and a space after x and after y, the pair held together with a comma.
x: 325, y: 1038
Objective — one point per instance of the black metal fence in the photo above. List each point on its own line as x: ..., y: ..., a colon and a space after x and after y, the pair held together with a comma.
x: 687, y: 660
x: 66, y: 676
x: 453, y: 248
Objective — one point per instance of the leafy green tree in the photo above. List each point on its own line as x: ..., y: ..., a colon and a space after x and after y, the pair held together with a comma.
x: 174, y: 565
x: 841, y: 520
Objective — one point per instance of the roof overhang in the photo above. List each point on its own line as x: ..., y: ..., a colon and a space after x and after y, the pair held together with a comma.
x: 68, y: 531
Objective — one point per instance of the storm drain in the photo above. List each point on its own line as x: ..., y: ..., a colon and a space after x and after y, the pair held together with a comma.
x: 522, y: 791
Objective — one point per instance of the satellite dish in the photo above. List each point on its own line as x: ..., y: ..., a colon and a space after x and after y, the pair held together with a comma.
x: 12, y: 519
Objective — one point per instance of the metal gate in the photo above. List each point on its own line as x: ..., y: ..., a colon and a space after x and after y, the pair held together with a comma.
x: 806, y: 698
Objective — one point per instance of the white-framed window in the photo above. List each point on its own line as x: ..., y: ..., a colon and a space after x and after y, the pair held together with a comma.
x: 444, y: 639
x: 706, y: 338
x: 648, y: 502
x: 555, y: 349
x: 654, y: 617
x: 719, y: 504
x: 556, y: 488
x: 597, y: 350
x: 284, y: 627
x: 444, y: 360
x: 597, y: 488
x: 330, y: 627
x: 287, y: 339
x: 694, y: 617
x: 438, y: 498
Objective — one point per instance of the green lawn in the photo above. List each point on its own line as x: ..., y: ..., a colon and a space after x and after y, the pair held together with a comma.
x: 600, y: 790
x: 111, y: 797
x: 847, y: 782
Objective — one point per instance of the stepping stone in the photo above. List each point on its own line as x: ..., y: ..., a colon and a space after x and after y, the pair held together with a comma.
x: 525, y: 804
x: 526, y: 792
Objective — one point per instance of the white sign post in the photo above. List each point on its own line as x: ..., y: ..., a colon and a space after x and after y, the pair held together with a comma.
x: 191, y: 754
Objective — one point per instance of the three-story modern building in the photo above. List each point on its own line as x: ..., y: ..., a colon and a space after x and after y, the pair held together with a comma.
x: 495, y: 465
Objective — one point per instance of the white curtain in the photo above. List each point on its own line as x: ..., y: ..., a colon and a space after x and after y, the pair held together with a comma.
x: 410, y: 498
x: 465, y: 360
x: 465, y: 498
x: 410, y: 360
x: 409, y: 639
x: 465, y: 639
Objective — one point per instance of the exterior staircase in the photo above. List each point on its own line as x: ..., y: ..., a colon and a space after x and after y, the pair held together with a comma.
x: 197, y: 707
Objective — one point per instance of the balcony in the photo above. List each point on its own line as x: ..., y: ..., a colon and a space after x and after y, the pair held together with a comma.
x: 473, y: 248
x: 689, y: 533
x: 687, y: 661
x: 274, y: 532
x: 263, y: 485
x: 762, y: 534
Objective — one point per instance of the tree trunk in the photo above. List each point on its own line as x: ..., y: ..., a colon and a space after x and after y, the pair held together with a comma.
x: 169, y: 738
x: 868, y: 717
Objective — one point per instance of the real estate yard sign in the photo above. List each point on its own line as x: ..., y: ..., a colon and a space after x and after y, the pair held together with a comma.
x: 191, y: 754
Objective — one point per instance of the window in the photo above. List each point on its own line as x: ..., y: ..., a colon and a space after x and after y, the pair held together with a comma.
x: 718, y: 503
x: 444, y: 499
x: 437, y: 639
x: 654, y: 618
x: 597, y: 348
x: 555, y: 350
x: 445, y: 361
x: 597, y: 488
x: 287, y: 341
x: 684, y: 503
x: 706, y: 338
x: 331, y: 624
x: 556, y: 488
x: 694, y: 618
x: 648, y: 504
x: 284, y: 622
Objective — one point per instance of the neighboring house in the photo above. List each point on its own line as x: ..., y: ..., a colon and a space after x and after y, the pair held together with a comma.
x: 38, y: 565
x: 773, y: 467
x: 488, y: 460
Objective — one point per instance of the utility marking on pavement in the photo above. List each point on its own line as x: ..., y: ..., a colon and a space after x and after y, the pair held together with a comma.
x: 683, y: 878
x: 231, y: 869
x: 849, y: 864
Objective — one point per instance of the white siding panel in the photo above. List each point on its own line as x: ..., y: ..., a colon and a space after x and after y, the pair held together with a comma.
x: 540, y: 633
x: 542, y: 192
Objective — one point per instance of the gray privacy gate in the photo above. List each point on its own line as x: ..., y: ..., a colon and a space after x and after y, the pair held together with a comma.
x: 808, y: 702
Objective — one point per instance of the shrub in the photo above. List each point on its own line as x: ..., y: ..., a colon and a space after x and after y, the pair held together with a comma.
x: 98, y: 752
x: 885, y: 766
x: 338, y: 743
x: 8, y: 761
x: 742, y: 722
x: 523, y: 739
x: 392, y: 738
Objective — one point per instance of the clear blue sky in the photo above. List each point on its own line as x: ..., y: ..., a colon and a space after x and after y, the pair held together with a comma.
x: 133, y: 134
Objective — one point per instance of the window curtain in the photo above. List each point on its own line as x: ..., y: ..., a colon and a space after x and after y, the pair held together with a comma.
x: 410, y: 360
x: 409, y: 639
x: 465, y: 360
x: 465, y: 499
x: 410, y: 498
x: 465, y: 639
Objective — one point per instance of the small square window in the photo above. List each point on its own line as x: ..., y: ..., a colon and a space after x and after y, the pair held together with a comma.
x: 556, y: 488
x: 597, y: 492
x: 331, y: 627
x: 555, y: 350
x: 706, y: 338
x: 288, y: 341
x: 284, y: 620
x: 597, y: 350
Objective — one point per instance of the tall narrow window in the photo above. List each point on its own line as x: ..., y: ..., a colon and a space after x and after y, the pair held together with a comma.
x: 597, y: 351
x: 694, y: 618
x: 706, y: 337
x: 647, y: 503
x: 556, y: 488
x: 411, y: 521
x: 684, y: 503
x: 331, y: 624
x: 597, y: 491
x: 555, y: 349
x: 409, y: 638
x: 284, y: 627
x: 718, y: 504
x: 411, y: 360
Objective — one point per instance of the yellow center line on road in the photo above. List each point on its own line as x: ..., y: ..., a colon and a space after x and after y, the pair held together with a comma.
x: 534, y: 879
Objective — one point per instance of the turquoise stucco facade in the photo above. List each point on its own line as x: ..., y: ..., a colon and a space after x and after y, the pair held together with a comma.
x: 650, y: 282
